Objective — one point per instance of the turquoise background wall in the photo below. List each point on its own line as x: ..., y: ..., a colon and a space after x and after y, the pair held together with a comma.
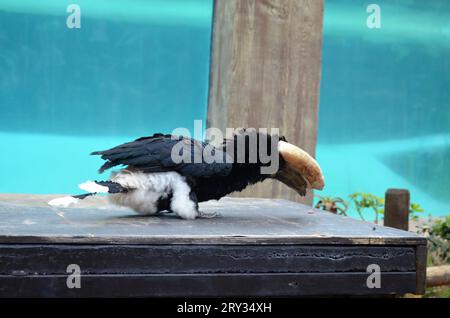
x: 133, y: 68
x: 384, y: 117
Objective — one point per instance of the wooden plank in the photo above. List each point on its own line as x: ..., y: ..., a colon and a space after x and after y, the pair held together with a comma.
x: 241, y: 221
x: 203, y: 285
x: 201, y: 239
x: 396, y: 211
x: 421, y: 268
x: 178, y: 259
x: 265, y: 72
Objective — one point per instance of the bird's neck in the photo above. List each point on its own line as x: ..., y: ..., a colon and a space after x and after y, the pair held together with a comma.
x: 239, y: 178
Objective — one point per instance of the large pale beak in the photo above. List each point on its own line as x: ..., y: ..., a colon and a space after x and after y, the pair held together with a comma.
x: 301, y: 171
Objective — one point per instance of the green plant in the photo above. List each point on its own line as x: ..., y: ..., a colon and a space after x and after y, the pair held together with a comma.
x: 413, y: 209
x: 438, y: 292
x: 364, y: 201
x: 333, y: 205
x: 368, y: 201
x: 438, y: 236
x: 442, y: 228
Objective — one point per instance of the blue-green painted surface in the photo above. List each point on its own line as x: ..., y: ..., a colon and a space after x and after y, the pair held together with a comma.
x: 134, y: 67
x: 384, y: 117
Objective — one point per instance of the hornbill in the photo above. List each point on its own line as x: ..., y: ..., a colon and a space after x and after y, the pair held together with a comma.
x: 154, y: 179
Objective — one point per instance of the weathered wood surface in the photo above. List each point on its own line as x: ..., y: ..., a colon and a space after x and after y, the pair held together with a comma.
x: 201, y: 285
x: 29, y: 259
x: 396, y: 212
x: 265, y: 72
x: 256, y: 247
x: 421, y: 268
x: 240, y: 221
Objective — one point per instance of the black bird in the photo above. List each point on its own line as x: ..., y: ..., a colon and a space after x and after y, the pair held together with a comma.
x: 174, y: 173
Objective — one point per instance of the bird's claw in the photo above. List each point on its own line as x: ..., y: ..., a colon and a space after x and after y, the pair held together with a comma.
x: 207, y: 215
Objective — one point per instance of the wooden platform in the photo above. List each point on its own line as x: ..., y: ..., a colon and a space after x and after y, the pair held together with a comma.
x: 256, y: 247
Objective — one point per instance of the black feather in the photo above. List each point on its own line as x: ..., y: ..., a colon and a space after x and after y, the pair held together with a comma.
x: 153, y: 154
x: 207, y: 180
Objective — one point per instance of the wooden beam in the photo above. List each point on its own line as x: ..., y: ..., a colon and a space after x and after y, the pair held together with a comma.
x: 421, y: 268
x: 396, y: 212
x: 205, y: 285
x: 438, y: 275
x: 265, y: 72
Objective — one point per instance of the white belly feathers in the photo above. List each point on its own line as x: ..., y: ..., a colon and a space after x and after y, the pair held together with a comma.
x: 145, y: 189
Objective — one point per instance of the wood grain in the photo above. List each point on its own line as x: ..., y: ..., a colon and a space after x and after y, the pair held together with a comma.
x: 265, y: 72
x: 45, y: 259
x: 206, y: 285
x: 240, y: 222
x: 421, y: 268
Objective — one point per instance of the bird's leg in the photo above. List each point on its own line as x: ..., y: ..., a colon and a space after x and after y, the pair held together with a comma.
x: 164, y: 204
x: 181, y: 202
x: 201, y: 214
x: 193, y: 198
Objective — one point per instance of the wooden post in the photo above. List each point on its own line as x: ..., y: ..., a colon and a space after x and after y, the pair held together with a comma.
x: 421, y: 268
x: 396, y: 211
x: 265, y: 73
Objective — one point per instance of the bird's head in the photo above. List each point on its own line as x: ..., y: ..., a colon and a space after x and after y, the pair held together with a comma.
x: 289, y: 164
x: 298, y: 170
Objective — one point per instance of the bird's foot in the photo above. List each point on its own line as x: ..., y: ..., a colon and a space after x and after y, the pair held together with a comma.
x: 207, y: 215
x: 165, y: 212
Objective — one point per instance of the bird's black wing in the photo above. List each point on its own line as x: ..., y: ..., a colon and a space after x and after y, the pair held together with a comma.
x: 154, y: 154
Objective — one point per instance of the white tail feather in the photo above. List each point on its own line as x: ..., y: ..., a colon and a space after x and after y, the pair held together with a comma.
x: 63, y: 202
x: 92, y: 187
